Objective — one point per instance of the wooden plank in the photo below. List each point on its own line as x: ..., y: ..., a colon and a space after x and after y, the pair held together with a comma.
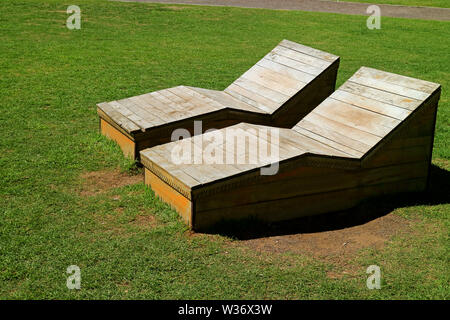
x: 194, y: 105
x: 371, y: 105
x: 344, y: 149
x: 328, y: 131
x: 349, y: 131
x: 296, y: 75
x: 380, y: 95
x: 309, y: 51
x: 228, y: 101
x: 201, y: 98
x: 294, y: 64
x: 274, y: 80
x: 307, y: 144
x: 407, y: 82
x: 389, y: 87
x: 162, y: 159
x: 175, y: 110
x: 358, y: 118
x: 119, y: 118
x: 259, y: 90
x: 160, y: 109
x: 251, y: 97
x: 400, y: 155
x: 301, y: 57
x: 141, y: 116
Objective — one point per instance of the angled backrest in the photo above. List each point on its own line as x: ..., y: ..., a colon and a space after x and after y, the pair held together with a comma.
x: 365, y: 110
x: 280, y: 75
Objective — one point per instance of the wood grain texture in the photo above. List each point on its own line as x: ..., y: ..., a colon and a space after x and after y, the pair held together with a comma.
x: 373, y: 139
x: 276, y: 91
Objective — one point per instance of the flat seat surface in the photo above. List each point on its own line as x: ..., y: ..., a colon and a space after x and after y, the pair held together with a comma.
x: 160, y: 107
x: 196, y: 170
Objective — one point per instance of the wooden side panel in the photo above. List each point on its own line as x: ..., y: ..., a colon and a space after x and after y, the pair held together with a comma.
x: 126, y: 144
x: 306, y: 191
x: 307, y: 99
x: 413, y: 142
x: 169, y: 195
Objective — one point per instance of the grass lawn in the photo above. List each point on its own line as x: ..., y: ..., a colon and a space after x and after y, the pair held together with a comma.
x: 129, y: 244
x: 421, y: 3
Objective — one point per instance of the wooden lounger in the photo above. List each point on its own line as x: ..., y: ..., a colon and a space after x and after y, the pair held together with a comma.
x: 373, y: 136
x: 279, y: 90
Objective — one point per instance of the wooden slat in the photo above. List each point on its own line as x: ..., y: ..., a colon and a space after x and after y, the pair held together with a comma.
x: 140, y: 116
x: 312, y: 145
x: 175, y: 110
x: 328, y: 131
x: 309, y: 51
x: 301, y: 57
x: 407, y: 82
x: 259, y: 90
x: 379, y: 95
x: 227, y: 100
x: 372, y: 105
x: 119, y: 118
x: 160, y: 109
x: 161, y: 158
x: 389, y: 87
x: 296, y: 75
x: 346, y: 151
x: 349, y: 131
x: 358, y: 118
x: 252, y: 98
x: 274, y: 80
x: 201, y: 98
x: 294, y: 64
x: 194, y: 105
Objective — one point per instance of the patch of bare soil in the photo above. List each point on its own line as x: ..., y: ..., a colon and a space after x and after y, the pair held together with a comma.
x: 116, y: 223
x: 338, y: 246
x: 96, y: 182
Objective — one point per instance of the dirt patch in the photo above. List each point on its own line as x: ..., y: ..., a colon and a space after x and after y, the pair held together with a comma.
x: 97, y: 182
x: 117, y: 223
x: 144, y: 221
x: 338, y: 247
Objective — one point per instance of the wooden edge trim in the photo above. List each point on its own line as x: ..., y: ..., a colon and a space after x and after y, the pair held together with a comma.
x: 167, y: 193
x: 306, y: 160
x: 110, y: 121
x: 166, y: 177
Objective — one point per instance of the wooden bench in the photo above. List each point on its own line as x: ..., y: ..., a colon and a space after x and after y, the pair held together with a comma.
x: 371, y: 137
x: 278, y: 91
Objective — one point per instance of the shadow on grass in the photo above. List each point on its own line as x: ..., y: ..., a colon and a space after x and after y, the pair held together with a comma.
x: 437, y: 193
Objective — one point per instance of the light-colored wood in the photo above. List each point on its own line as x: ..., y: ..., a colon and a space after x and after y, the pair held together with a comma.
x: 180, y: 203
x: 278, y: 90
x: 355, y: 145
x: 126, y: 144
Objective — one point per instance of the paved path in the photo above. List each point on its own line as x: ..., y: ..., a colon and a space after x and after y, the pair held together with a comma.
x: 426, y: 13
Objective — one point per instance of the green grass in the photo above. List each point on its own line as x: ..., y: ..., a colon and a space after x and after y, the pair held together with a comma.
x: 421, y: 3
x: 53, y: 77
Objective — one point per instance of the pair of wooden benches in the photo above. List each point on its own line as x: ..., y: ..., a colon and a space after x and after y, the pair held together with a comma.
x: 372, y: 136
